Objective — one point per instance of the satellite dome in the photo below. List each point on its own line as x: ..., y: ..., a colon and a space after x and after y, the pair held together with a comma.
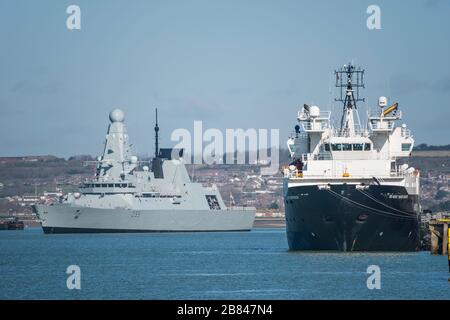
x: 314, y: 112
x: 382, y: 102
x: 116, y: 115
x: 133, y: 159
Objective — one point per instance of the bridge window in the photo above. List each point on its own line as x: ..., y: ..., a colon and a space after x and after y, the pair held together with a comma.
x: 346, y: 147
x: 327, y: 147
x: 336, y: 147
x: 406, y: 146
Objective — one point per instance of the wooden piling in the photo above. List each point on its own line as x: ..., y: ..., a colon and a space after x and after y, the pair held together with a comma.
x: 440, y: 241
x: 445, y: 239
x: 434, y: 239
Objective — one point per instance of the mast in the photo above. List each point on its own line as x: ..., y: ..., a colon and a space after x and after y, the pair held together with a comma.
x: 349, y: 80
x: 156, y: 135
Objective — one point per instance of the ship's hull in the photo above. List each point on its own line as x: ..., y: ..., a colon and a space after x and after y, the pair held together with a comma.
x: 344, y: 218
x: 64, y: 218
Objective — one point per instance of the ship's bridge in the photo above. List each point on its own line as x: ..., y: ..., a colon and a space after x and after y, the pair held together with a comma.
x: 356, y: 147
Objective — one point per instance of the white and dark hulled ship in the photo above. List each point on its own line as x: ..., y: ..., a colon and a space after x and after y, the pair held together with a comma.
x: 128, y: 195
x: 345, y: 188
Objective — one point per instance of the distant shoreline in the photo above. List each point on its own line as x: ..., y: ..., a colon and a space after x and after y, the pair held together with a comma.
x: 268, y: 222
x: 431, y: 153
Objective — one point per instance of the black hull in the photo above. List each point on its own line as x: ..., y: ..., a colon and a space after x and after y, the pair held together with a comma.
x: 61, y: 230
x: 343, y: 218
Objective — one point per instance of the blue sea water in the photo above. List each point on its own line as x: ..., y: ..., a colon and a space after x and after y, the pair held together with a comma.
x: 235, y: 265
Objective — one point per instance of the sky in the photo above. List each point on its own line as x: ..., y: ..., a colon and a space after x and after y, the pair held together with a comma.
x: 232, y: 64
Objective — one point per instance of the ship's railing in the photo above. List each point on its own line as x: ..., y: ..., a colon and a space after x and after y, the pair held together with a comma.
x: 323, y: 115
x: 406, y: 133
x: 300, y: 134
x: 295, y: 174
x: 287, y: 173
x: 311, y: 126
x: 319, y: 156
x: 409, y: 172
x: 377, y: 116
x: 240, y: 208
x: 332, y: 174
x: 358, y: 130
x: 376, y: 125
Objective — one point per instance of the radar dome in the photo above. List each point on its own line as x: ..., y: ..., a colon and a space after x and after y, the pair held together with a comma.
x: 134, y: 159
x: 314, y: 111
x: 116, y: 115
x: 382, y: 102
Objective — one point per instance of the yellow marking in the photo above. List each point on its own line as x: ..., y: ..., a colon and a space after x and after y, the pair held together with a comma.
x: 390, y: 109
x: 346, y: 174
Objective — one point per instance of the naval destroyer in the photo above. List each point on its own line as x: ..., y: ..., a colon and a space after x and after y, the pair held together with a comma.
x: 128, y: 195
x: 346, y: 188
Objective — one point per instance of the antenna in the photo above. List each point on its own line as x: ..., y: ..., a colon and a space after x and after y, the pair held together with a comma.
x: 348, y: 95
x: 349, y: 80
x: 156, y: 135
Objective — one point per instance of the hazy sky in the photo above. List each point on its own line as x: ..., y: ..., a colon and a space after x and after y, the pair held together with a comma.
x: 231, y: 63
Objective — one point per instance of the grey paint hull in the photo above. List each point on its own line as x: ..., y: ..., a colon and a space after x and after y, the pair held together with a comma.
x: 63, y: 218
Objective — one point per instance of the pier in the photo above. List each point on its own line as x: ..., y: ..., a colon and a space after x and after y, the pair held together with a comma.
x: 439, y: 236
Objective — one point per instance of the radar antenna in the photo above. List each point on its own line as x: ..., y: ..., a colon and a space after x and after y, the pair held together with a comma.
x: 349, y: 80
x: 156, y: 135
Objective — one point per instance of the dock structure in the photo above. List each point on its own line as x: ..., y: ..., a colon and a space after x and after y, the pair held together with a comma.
x: 440, y: 236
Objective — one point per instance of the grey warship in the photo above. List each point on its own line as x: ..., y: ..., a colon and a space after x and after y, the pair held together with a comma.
x: 125, y: 195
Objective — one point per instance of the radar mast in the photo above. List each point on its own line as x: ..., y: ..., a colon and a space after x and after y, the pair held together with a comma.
x: 349, y: 80
x: 156, y: 135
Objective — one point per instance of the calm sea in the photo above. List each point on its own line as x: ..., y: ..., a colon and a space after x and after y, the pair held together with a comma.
x: 251, y: 265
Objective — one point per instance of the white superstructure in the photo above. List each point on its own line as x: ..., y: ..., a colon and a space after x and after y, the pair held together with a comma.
x: 322, y: 153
